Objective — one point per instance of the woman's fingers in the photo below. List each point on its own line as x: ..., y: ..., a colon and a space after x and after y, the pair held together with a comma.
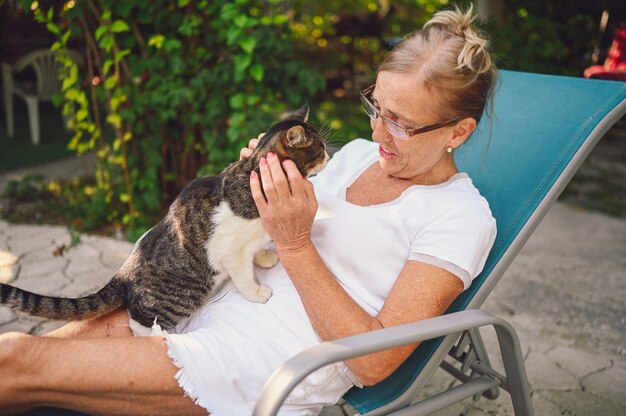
x: 300, y: 187
x: 267, y: 182
x: 257, y: 192
x: 279, y: 179
x: 281, y: 182
x: 245, y: 153
x: 252, y: 144
x: 294, y: 177
x: 309, y: 191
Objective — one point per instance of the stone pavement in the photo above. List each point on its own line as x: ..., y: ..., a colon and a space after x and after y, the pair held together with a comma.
x: 564, y: 294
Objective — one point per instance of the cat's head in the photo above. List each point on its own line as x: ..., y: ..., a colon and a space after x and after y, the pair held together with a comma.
x: 293, y: 138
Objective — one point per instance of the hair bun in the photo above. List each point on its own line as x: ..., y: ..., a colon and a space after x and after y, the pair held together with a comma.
x: 474, y: 55
x: 453, y: 21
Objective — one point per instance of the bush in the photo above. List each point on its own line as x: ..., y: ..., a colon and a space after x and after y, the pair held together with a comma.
x: 170, y: 90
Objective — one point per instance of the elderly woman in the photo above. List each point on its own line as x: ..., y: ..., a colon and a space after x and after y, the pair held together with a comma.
x: 390, y: 232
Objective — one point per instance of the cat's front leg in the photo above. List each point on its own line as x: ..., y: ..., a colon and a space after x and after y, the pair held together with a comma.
x: 239, y: 268
x: 266, y: 258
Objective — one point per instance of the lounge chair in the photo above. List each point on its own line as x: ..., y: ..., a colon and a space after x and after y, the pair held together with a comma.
x: 545, y: 127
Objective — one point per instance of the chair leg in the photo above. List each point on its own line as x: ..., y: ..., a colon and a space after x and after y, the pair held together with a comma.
x: 33, y: 118
x: 517, y: 382
x: 8, y: 111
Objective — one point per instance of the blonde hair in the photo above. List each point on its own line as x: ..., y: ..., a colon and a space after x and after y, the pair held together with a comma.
x: 453, y: 56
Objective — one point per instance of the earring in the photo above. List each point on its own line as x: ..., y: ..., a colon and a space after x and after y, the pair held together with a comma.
x: 449, y: 149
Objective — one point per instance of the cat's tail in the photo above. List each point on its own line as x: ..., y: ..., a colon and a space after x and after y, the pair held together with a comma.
x: 107, y: 299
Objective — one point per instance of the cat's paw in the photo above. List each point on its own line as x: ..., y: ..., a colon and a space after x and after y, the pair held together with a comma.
x: 262, y: 295
x: 266, y: 259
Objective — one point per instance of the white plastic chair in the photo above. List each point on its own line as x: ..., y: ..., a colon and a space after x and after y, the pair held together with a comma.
x: 46, y: 70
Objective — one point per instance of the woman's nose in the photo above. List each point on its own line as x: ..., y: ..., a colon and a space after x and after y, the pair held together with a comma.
x: 379, y: 132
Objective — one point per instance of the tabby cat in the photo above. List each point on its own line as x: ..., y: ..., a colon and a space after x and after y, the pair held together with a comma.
x: 211, y: 231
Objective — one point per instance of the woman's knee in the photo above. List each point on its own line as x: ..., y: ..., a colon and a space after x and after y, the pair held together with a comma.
x: 16, y: 361
x: 11, y: 343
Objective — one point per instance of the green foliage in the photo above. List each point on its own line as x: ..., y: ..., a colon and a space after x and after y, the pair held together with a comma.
x: 67, y: 202
x: 173, y: 89
x: 169, y: 90
x: 347, y: 40
x: 547, y: 37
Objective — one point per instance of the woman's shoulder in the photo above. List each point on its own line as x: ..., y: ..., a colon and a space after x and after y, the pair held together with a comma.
x: 457, y: 197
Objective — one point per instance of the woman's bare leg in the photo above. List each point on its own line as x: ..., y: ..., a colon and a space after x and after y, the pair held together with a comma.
x: 116, y: 375
x: 114, y: 324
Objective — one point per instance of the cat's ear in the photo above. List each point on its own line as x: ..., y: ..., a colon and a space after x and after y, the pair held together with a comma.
x: 302, y: 114
x: 296, y: 137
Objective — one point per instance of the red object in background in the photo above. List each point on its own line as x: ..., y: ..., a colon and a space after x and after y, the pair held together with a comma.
x: 614, y: 67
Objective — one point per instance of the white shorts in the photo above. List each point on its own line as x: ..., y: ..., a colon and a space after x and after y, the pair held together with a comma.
x: 227, y: 350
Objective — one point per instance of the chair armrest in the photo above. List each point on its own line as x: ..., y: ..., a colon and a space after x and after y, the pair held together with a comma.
x: 287, y: 376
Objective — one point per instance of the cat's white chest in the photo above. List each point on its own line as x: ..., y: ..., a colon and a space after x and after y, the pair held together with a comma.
x: 231, y: 250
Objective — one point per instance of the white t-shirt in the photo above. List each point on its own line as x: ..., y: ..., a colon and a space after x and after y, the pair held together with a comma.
x: 447, y: 225
x: 227, y: 350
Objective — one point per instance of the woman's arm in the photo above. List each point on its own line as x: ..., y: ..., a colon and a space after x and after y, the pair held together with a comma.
x: 287, y: 206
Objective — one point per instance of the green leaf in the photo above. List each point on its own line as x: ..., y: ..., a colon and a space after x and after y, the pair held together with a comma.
x: 121, y: 54
x: 183, y: 3
x: 106, y: 42
x: 110, y: 83
x: 171, y: 45
x: 52, y: 28
x: 71, y: 94
x: 257, y: 72
x: 119, y: 26
x: 229, y: 11
x: 82, y: 114
x: 236, y: 101
x: 101, y: 31
x: 248, y: 44
x: 56, y: 99
x: 242, y: 62
x: 107, y: 65
x: 280, y: 19
x: 156, y: 41
x: 123, y: 8
x: 233, y: 33
x: 241, y: 20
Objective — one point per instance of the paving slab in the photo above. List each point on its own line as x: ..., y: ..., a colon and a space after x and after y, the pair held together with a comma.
x: 608, y: 383
x: 582, y: 403
x: 577, y: 362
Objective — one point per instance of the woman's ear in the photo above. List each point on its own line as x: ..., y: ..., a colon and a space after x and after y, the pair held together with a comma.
x: 461, y: 131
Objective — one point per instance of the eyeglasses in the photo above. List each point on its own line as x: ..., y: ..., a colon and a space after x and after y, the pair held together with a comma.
x: 396, y: 130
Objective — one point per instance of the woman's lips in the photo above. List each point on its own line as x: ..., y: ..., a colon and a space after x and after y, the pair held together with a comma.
x: 385, y: 154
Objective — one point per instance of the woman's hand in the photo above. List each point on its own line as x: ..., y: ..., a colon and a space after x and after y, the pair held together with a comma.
x: 286, y: 202
x: 252, y: 144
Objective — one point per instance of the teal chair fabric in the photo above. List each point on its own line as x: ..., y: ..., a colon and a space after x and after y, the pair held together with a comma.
x: 541, y: 122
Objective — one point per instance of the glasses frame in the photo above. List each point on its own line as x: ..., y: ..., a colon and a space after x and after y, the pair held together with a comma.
x: 408, y: 131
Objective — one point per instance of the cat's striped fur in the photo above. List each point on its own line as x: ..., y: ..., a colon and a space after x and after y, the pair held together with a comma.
x: 211, y: 231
